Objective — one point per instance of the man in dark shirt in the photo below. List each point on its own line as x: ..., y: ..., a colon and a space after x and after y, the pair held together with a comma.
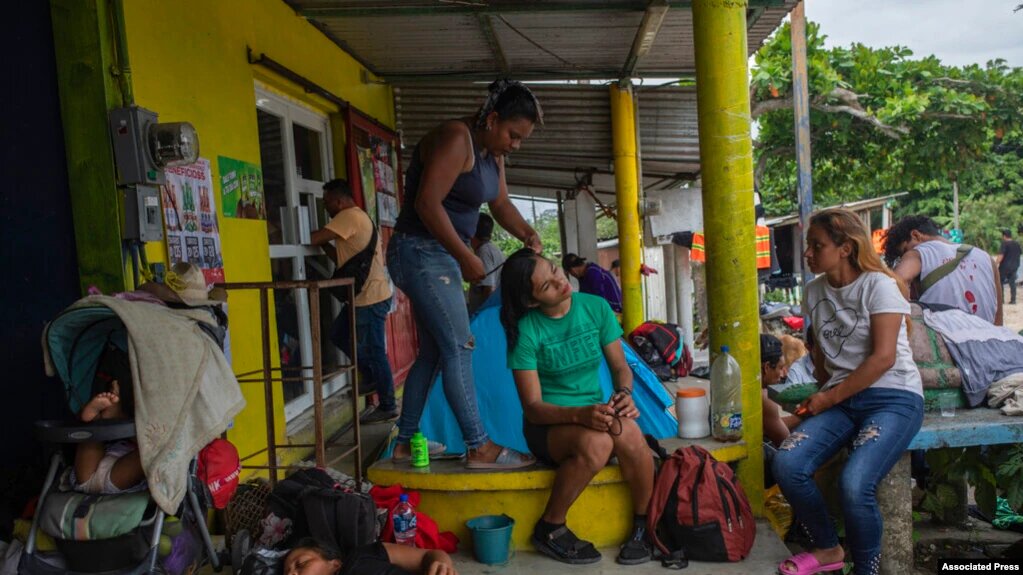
x: 594, y: 279
x: 1008, y: 263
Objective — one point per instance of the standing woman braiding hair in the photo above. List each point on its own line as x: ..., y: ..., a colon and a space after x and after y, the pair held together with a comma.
x: 456, y: 168
x: 871, y: 400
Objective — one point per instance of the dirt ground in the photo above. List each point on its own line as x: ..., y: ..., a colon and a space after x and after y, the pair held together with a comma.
x: 1012, y: 316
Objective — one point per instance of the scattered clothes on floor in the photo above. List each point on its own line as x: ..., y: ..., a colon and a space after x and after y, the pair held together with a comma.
x: 1005, y: 518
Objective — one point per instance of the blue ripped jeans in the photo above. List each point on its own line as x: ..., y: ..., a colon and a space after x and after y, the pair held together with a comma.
x: 432, y: 280
x: 877, y: 425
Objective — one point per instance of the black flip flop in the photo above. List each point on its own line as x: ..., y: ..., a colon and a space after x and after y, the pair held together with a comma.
x: 563, y: 545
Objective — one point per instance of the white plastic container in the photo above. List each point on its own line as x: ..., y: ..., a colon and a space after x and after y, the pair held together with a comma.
x: 693, y: 412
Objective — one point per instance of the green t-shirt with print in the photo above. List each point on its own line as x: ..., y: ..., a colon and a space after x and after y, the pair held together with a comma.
x: 566, y: 352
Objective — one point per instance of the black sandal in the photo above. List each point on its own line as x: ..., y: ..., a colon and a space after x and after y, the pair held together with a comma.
x: 563, y: 545
x: 636, y: 550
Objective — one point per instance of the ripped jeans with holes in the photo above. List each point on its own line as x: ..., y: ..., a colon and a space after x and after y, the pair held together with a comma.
x: 876, y: 425
x: 432, y: 280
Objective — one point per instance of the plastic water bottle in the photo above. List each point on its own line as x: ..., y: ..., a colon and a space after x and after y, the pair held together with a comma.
x: 725, y: 398
x: 404, y: 522
x: 420, y: 450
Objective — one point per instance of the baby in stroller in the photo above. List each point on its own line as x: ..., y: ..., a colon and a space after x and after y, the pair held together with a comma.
x: 111, y: 467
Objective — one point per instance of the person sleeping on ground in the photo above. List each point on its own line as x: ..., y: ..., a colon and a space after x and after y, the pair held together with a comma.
x: 556, y: 340
x: 313, y: 557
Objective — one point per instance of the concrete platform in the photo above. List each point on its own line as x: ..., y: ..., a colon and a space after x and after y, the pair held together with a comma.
x: 452, y: 495
x: 767, y: 553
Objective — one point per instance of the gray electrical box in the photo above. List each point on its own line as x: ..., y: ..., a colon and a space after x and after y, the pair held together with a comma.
x: 129, y: 128
x: 142, y: 218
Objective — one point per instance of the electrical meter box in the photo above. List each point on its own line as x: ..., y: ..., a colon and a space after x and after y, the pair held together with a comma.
x: 129, y: 130
x: 142, y: 218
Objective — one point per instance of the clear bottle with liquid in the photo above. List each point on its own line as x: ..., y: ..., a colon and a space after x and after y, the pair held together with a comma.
x: 725, y: 397
x: 404, y: 522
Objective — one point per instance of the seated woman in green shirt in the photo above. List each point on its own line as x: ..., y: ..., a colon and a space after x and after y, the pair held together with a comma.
x: 556, y: 340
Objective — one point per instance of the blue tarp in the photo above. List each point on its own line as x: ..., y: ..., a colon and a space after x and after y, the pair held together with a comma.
x: 498, y: 399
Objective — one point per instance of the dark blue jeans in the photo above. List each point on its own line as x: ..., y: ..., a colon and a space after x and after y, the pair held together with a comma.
x: 877, y: 425
x: 432, y: 280
x: 370, y: 346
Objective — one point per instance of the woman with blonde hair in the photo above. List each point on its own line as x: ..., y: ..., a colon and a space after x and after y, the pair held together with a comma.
x: 871, y: 402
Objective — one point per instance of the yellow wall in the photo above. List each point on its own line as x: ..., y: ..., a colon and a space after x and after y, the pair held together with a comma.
x: 188, y: 61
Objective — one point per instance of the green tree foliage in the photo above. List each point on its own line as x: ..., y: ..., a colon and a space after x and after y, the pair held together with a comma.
x: 883, y: 122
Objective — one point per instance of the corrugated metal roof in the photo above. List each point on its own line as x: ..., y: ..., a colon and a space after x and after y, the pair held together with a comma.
x: 857, y: 206
x: 577, y: 136
x: 526, y: 39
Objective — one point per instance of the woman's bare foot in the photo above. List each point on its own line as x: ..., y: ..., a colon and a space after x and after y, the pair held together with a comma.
x: 98, y: 406
x: 401, y: 450
x: 486, y: 453
x: 834, y: 554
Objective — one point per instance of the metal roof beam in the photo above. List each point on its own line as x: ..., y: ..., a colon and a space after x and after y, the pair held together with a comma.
x: 646, y: 34
x: 487, y: 26
x: 522, y: 75
x: 363, y: 9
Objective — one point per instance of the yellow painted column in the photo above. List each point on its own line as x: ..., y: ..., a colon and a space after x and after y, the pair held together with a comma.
x: 726, y: 168
x: 623, y: 129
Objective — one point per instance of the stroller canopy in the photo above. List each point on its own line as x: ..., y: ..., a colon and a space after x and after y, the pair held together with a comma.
x: 74, y: 341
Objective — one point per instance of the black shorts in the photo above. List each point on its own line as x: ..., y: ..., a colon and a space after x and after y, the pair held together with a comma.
x: 536, y: 441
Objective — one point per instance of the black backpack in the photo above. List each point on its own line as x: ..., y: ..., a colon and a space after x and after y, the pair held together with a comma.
x: 317, y: 507
x: 357, y: 268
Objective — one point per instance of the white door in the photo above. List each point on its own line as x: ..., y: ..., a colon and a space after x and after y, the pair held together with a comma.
x: 294, y: 144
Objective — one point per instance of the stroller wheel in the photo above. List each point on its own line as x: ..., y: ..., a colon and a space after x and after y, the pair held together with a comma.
x: 241, y: 544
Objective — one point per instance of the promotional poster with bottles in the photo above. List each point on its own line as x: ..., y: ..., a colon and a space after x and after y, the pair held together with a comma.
x: 241, y: 189
x: 190, y: 219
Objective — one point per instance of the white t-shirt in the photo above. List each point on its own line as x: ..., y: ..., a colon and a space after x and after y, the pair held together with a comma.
x: 970, y: 287
x: 491, y: 256
x: 841, y: 324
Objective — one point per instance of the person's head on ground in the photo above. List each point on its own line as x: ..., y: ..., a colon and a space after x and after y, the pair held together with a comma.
x: 616, y: 268
x: 1006, y: 234
x: 312, y: 557
x: 508, y: 116
x: 838, y: 243
x: 772, y: 365
x: 484, y: 231
x: 337, y: 196
x: 574, y: 265
x: 529, y: 281
x: 906, y: 234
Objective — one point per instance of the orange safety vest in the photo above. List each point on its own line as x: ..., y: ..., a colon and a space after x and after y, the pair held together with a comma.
x: 763, y: 245
x: 698, y: 253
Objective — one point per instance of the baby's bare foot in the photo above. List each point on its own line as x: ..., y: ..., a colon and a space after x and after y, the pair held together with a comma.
x: 97, y: 406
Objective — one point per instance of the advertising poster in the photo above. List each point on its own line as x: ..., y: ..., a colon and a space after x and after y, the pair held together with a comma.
x: 369, y: 190
x: 241, y: 189
x: 190, y: 218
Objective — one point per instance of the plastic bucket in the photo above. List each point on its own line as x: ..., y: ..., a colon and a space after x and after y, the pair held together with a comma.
x: 491, y: 538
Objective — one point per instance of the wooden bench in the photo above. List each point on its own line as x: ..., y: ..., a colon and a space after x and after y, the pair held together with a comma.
x: 969, y: 427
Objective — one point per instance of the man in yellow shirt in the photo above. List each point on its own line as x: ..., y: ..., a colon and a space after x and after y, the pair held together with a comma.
x: 352, y: 231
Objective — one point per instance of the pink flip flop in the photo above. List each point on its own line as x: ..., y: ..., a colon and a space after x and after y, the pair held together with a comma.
x: 807, y: 564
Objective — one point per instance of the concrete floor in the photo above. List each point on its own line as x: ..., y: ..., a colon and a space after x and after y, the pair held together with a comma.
x: 768, y: 552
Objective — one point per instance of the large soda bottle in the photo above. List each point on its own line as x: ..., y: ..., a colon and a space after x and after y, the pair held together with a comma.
x: 404, y: 522
x: 725, y: 398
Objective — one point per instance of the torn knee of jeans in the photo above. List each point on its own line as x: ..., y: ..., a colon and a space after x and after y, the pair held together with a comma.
x: 445, y: 279
x: 471, y: 344
x: 792, y: 441
x: 869, y: 433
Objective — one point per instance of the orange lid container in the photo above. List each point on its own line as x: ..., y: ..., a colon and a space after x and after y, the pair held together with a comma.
x: 691, y: 392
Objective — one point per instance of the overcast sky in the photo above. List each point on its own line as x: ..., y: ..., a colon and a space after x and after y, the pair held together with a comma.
x: 958, y: 32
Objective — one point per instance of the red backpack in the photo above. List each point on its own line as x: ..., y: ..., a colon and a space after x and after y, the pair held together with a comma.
x: 699, y: 511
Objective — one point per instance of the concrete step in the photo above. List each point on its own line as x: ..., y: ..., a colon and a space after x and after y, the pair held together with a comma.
x: 768, y: 551
x: 452, y: 495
